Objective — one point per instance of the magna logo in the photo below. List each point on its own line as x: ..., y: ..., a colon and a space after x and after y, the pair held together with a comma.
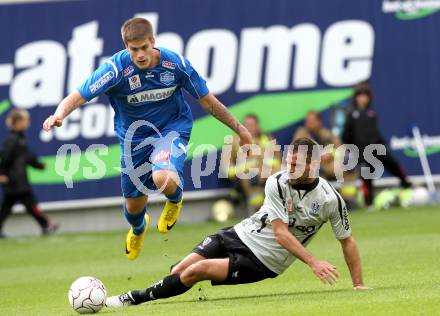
x: 151, y: 95
x: 101, y: 81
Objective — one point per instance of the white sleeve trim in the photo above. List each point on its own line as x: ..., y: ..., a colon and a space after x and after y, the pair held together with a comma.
x: 198, y: 95
x: 183, y: 60
x: 114, y: 67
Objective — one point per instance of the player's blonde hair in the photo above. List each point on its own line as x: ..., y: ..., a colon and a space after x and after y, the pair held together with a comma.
x: 14, y: 116
x: 136, y: 29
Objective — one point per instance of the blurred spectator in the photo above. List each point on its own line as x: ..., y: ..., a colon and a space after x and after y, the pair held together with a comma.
x: 313, y: 129
x: 15, y: 157
x: 361, y: 129
x: 252, y: 190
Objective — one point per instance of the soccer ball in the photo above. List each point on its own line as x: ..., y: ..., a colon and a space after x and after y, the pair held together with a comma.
x: 87, y: 295
x: 420, y: 196
x: 222, y: 210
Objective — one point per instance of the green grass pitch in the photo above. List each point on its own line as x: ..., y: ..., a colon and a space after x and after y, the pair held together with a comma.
x: 400, y: 252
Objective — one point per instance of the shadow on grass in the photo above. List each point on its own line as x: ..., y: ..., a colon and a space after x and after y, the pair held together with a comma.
x: 296, y: 293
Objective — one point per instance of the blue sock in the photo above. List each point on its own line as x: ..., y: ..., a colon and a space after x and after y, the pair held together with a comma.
x: 137, y: 221
x: 176, y: 197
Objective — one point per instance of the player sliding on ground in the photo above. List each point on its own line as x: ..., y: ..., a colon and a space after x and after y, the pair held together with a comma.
x: 144, y: 84
x: 267, y: 243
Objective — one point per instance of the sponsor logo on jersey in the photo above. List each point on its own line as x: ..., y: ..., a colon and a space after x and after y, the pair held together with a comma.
x: 168, y: 64
x: 162, y: 156
x: 135, y: 82
x: 149, y: 75
x: 345, y: 216
x: 101, y: 81
x: 205, y: 242
x: 151, y: 95
x: 167, y: 78
x: 127, y: 71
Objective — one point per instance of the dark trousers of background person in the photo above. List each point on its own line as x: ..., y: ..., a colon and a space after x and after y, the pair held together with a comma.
x: 30, y: 204
x: 392, y: 166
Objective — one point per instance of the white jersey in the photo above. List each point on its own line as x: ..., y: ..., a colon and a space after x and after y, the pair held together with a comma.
x: 305, y: 208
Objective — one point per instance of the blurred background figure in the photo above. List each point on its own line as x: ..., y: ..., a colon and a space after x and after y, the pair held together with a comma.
x: 313, y: 128
x: 251, y: 191
x: 15, y: 157
x: 361, y: 129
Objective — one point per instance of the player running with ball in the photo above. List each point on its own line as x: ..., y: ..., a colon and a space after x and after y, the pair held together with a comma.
x: 152, y: 122
x: 296, y: 205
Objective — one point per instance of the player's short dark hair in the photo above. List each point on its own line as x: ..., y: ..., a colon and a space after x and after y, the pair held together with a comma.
x: 305, y: 144
x: 136, y: 29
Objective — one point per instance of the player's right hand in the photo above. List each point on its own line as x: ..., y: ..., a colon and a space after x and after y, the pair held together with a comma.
x: 4, y: 179
x: 325, y: 271
x: 53, y: 120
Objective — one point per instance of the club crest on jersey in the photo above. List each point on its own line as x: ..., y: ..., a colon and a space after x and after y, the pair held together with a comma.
x: 135, y: 82
x: 168, y: 64
x: 167, y: 78
x: 127, y: 71
x: 315, y: 207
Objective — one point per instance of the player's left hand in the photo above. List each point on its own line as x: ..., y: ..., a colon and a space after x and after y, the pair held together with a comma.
x: 325, y: 271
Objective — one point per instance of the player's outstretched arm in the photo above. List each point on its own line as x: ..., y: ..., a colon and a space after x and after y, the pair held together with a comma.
x: 353, y: 260
x: 325, y: 271
x: 67, y: 106
x: 213, y: 106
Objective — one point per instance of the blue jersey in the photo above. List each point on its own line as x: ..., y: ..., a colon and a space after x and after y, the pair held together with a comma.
x: 154, y: 94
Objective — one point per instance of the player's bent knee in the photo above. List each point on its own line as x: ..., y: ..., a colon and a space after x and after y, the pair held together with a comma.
x: 166, y: 180
x: 195, y: 273
x: 177, y: 269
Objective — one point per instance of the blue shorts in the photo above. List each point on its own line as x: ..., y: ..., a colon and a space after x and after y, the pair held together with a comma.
x: 139, y: 164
